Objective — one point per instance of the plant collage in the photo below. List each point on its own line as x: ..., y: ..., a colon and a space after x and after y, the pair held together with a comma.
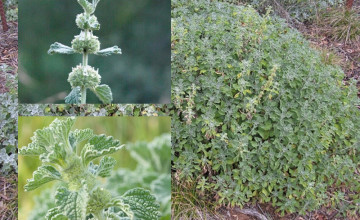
x: 180, y: 110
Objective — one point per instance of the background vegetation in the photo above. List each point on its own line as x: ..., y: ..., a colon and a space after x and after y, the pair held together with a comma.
x: 141, y: 28
x: 126, y: 129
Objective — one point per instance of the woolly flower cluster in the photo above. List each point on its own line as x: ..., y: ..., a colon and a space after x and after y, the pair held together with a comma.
x: 88, y: 22
x: 86, y: 43
x: 84, y: 76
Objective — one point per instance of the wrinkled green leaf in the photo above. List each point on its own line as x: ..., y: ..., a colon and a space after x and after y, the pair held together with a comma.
x: 87, y: 6
x: 98, y: 146
x: 80, y: 135
x: 103, y: 92
x: 55, y: 214
x: 109, y: 51
x: 106, y: 166
x: 61, y: 129
x: 57, y: 156
x: 74, y: 96
x: 58, y: 48
x: 142, y: 203
x: 42, y: 175
x: 33, y: 149
x: 125, y: 208
x: 72, y: 204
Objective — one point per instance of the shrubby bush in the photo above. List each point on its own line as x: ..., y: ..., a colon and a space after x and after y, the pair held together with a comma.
x: 258, y: 116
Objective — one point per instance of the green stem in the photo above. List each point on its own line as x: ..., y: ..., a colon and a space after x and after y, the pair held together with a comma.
x: 85, y: 59
x: 83, y: 95
x: 85, y: 63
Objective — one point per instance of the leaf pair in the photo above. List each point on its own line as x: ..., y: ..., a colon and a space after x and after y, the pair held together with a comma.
x: 103, y: 92
x: 58, y: 48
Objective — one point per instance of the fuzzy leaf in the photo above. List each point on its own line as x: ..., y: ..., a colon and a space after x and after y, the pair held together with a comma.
x: 74, y: 96
x: 125, y: 208
x: 142, y: 203
x: 42, y: 175
x: 80, y: 135
x: 109, y: 51
x: 98, y: 146
x: 87, y: 6
x: 55, y: 214
x: 105, y: 167
x: 58, y: 48
x: 57, y: 156
x: 62, y: 129
x: 42, y: 139
x: 103, y: 92
x: 72, y: 204
x: 32, y: 149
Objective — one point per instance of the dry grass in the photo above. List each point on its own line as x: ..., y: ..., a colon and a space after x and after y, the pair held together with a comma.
x: 341, y: 24
x: 188, y: 204
x: 8, y: 197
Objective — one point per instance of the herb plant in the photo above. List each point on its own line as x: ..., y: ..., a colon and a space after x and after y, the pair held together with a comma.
x: 258, y: 117
x: 83, y: 76
x: 80, y: 195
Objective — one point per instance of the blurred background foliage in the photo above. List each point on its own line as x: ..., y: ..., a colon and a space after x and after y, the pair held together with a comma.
x: 141, y: 28
x: 135, y: 132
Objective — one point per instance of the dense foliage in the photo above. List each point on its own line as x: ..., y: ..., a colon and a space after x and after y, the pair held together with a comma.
x: 258, y: 116
x: 8, y: 123
x: 80, y: 194
x: 11, y: 10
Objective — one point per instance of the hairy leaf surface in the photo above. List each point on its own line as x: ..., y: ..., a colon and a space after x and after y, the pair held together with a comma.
x: 58, y: 48
x: 98, y: 146
x: 142, y: 203
x: 105, y: 167
x: 74, y: 96
x: 72, y: 204
x: 109, y: 51
x: 42, y: 175
x: 103, y: 92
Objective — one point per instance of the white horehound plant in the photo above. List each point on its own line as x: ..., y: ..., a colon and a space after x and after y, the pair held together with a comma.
x: 83, y: 76
x: 80, y: 195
